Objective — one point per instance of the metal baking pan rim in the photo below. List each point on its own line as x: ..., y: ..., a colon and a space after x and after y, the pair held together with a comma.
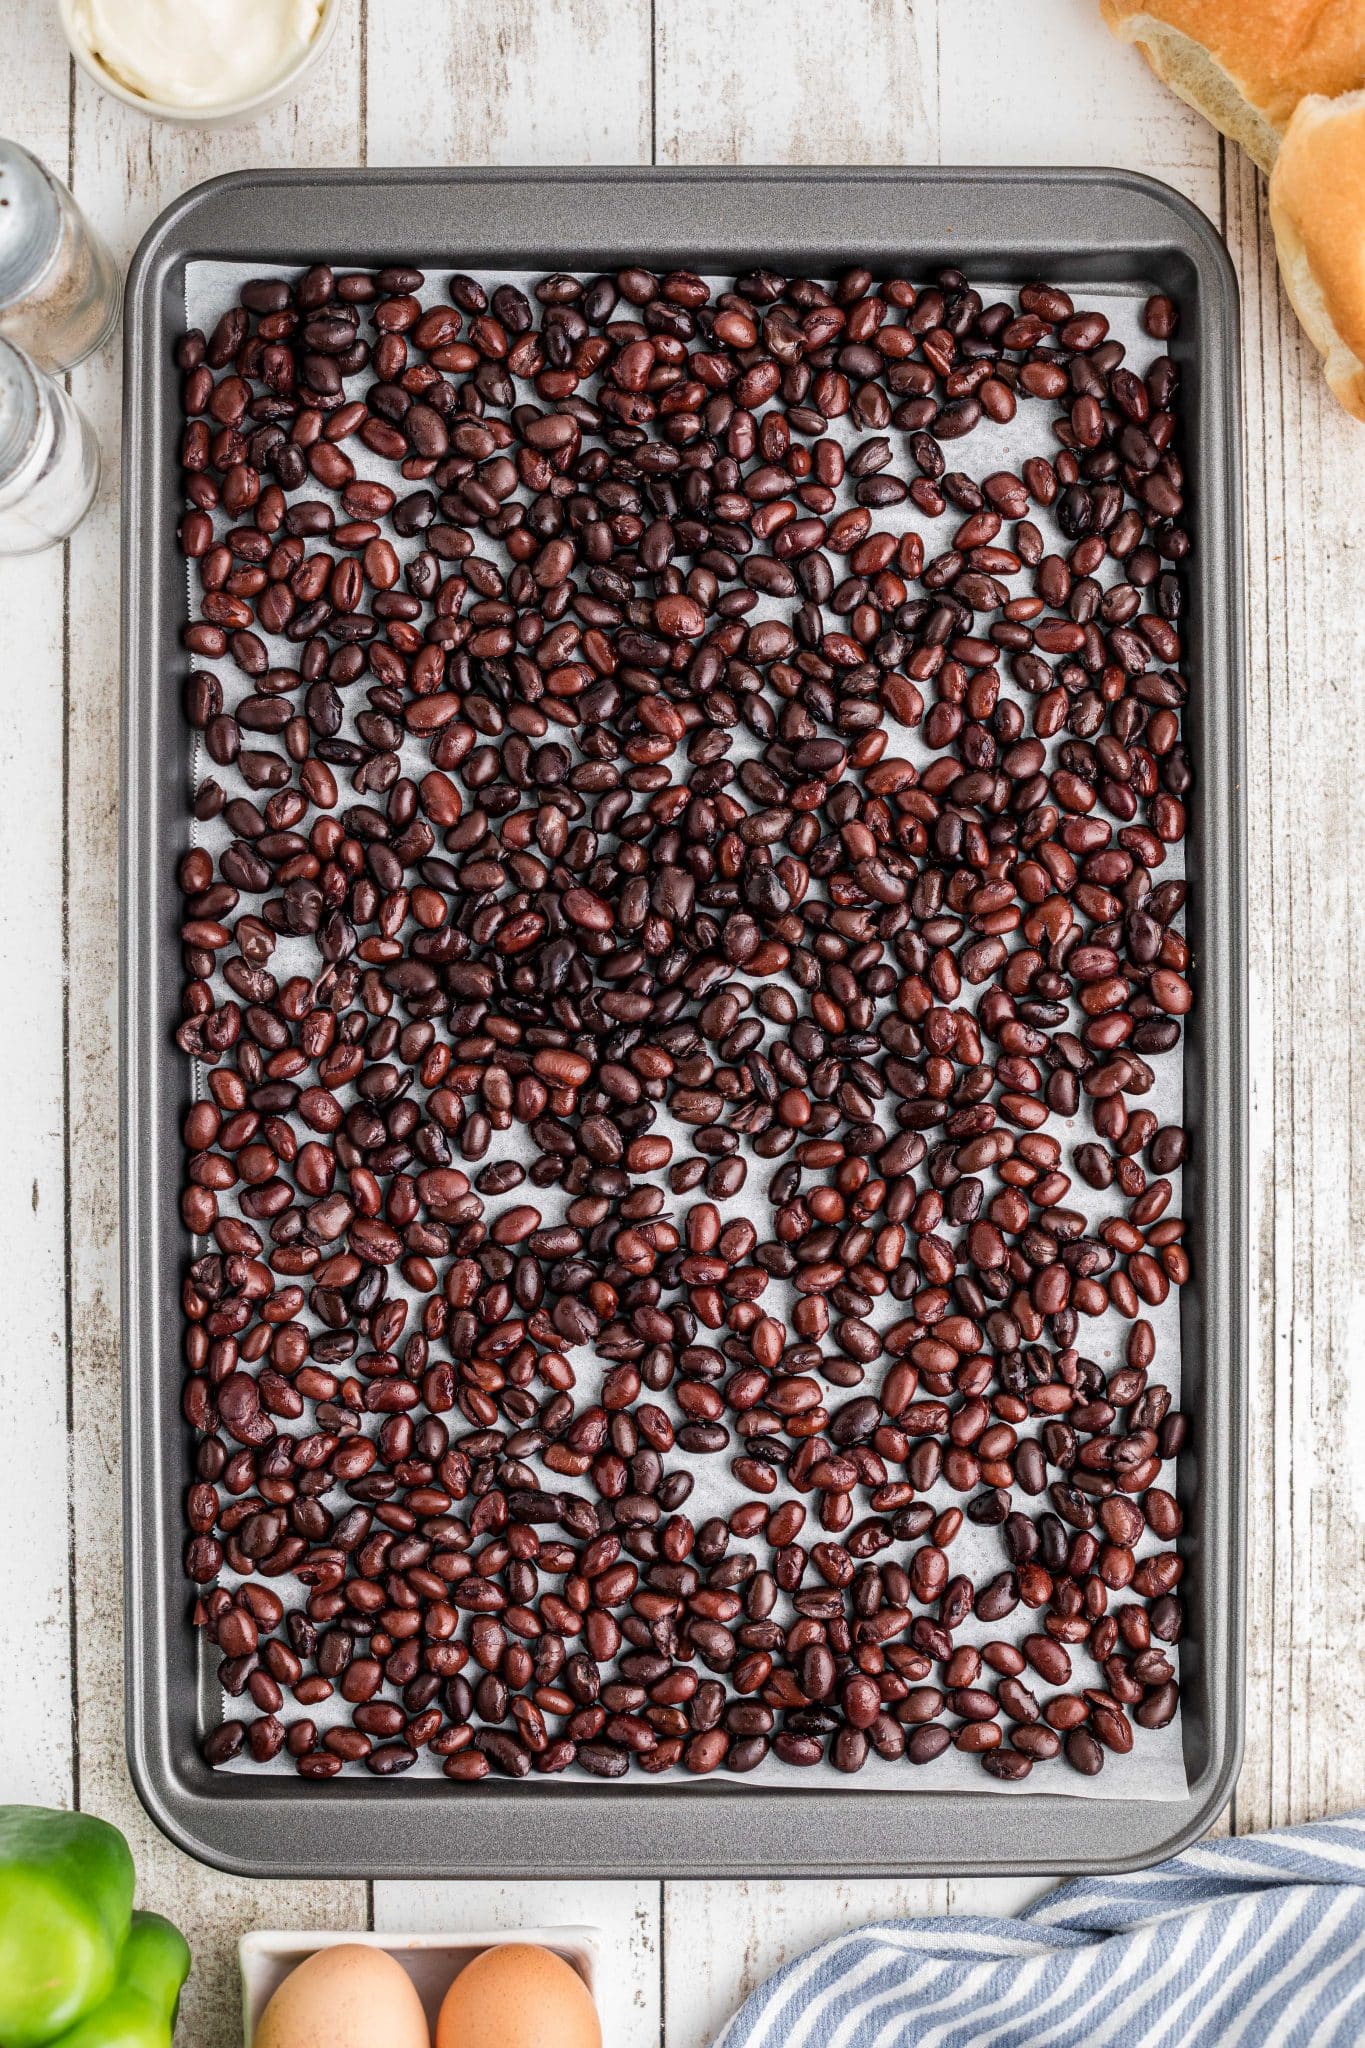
x: 164, y: 243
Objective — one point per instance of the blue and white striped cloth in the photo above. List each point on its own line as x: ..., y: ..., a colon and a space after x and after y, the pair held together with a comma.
x: 1250, y: 1941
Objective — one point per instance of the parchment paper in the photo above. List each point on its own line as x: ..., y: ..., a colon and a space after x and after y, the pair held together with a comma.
x: 1154, y: 1769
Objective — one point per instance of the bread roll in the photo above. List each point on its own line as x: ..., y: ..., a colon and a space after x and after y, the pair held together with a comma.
x: 1317, y: 209
x: 1246, y: 64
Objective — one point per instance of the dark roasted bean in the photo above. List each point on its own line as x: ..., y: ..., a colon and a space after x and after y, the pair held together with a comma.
x: 1083, y: 1753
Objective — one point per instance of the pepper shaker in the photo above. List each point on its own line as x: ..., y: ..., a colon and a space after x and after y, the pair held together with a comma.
x: 49, y: 457
x: 59, y: 287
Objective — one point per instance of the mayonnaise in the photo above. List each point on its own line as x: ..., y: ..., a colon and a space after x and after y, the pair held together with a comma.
x: 197, y: 53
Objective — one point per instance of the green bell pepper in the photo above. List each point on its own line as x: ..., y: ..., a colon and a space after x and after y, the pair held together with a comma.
x: 77, y: 1965
x: 140, y: 2010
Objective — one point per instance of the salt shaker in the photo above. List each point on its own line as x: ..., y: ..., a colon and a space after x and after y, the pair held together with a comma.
x: 49, y: 457
x: 59, y: 287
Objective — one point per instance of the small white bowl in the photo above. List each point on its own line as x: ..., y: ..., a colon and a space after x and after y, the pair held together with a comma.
x: 433, y: 1961
x: 231, y: 112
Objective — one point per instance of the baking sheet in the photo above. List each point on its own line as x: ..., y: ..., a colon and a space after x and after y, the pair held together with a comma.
x: 1155, y: 1768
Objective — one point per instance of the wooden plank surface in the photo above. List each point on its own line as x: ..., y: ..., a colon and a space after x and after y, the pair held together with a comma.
x: 508, y: 84
x: 511, y: 81
x: 794, y: 82
x: 1306, y: 741
x: 35, y: 1604
x: 723, y: 1938
x: 1043, y: 82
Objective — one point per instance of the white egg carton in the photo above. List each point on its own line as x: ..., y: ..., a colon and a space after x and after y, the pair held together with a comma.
x: 433, y: 1961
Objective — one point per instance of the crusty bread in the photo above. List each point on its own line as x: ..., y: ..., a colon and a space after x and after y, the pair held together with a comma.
x: 1317, y: 209
x: 1246, y: 64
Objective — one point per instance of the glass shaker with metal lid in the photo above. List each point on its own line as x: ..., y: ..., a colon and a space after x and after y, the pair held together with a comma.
x: 59, y: 287
x: 49, y: 458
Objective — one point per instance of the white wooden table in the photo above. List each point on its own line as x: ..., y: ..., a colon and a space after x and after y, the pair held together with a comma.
x: 679, y: 81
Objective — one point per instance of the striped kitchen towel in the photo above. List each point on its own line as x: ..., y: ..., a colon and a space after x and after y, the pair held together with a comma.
x: 1254, y: 1940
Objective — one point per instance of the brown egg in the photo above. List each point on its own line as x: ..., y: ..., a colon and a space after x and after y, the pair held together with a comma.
x: 518, y: 1996
x: 345, y: 1997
